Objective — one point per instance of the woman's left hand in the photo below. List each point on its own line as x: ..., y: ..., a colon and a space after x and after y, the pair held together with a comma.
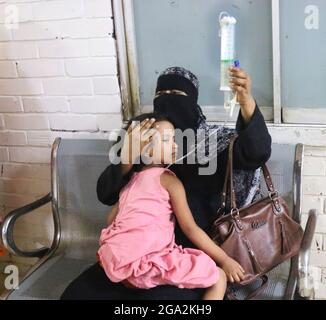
x: 240, y: 83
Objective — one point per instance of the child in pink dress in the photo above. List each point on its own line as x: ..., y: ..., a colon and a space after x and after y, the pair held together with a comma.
x: 138, y: 247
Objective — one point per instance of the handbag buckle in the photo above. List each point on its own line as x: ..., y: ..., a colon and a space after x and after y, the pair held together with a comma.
x: 236, y: 216
x: 273, y: 195
x: 274, y: 198
x: 236, y: 210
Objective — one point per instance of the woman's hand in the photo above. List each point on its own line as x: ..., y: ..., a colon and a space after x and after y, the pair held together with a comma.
x: 241, y: 84
x: 137, y: 137
x: 233, y: 270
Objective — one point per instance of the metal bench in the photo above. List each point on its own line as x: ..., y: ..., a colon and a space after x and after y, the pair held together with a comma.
x: 79, y: 216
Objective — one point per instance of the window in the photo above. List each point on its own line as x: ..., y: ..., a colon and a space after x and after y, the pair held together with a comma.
x: 303, y: 52
x: 277, y: 43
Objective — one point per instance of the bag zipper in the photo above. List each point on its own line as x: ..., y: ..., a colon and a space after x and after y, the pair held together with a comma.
x: 256, y: 265
x: 285, y: 241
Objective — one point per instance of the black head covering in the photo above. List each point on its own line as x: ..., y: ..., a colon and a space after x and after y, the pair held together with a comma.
x: 186, y: 113
x: 182, y: 109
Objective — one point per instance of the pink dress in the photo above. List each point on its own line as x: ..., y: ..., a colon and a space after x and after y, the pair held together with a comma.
x: 139, y: 245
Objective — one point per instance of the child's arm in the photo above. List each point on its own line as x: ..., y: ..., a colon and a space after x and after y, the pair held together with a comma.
x: 197, y: 236
x: 113, y: 213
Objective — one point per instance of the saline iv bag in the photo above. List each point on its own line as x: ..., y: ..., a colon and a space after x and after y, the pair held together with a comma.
x: 227, y: 34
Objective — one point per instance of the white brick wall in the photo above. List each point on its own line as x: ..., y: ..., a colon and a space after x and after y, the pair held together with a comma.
x: 58, y: 77
x: 314, y: 189
x: 2, y: 123
x: 10, y: 104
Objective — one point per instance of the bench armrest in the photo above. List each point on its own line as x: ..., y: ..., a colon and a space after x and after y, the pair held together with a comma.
x: 306, y: 281
x: 7, y: 229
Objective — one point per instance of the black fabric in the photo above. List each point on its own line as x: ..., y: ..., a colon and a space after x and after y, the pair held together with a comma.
x: 170, y: 81
x: 252, y: 149
x: 93, y: 284
x: 182, y: 110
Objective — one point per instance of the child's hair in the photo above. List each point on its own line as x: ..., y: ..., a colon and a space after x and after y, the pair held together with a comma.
x: 158, y: 117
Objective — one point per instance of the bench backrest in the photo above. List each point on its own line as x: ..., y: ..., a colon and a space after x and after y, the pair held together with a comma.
x: 281, y: 167
x: 79, y: 164
x: 81, y: 214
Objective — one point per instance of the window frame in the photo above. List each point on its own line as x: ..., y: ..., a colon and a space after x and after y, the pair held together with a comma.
x: 129, y: 79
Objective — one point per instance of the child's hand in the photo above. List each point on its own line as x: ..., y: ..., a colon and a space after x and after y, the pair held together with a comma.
x: 233, y: 270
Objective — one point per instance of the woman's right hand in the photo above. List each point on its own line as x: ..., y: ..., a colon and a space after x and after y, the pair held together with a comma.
x: 233, y: 270
x: 137, y: 137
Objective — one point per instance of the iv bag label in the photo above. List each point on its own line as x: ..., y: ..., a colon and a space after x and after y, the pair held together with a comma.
x: 227, y: 43
x: 225, y: 77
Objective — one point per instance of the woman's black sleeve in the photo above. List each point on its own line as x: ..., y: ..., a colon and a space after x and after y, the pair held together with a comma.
x: 109, y: 184
x: 252, y: 148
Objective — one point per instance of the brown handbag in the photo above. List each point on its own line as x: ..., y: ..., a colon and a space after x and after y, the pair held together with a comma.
x: 258, y: 236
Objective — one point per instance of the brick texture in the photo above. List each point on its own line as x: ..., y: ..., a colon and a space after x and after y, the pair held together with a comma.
x: 58, y: 78
x: 314, y: 189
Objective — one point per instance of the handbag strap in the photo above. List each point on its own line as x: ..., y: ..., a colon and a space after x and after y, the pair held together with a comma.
x: 229, y: 177
x: 268, y: 179
x: 229, y: 172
